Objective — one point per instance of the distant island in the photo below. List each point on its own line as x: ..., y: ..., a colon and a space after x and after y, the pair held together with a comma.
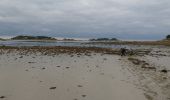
x: 168, y: 37
x: 24, y: 37
x: 67, y: 39
x: 104, y: 39
x: 1, y: 39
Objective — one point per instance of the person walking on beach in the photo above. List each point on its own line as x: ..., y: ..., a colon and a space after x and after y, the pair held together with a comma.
x: 123, y: 51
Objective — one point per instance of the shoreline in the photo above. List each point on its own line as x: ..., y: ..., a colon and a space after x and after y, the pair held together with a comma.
x: 89, y: 73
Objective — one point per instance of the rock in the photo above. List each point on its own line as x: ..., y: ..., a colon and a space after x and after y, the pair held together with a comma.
x: 2, y: 97
x: 52, y: 88
x: 58, y: 66
x: 83, y: 95
x: 79, y: 86
x: 21, y: 57
x: 164, y: 71
x: 43, y: 68
x: 104, y: 58
x: 31, y: 62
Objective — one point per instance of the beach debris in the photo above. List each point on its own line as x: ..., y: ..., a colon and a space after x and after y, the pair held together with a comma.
x: 135, y: 61
x: 148, y: 96
x: 58, y: 66
x: 67, y: 67
x: 143, y: 64
x: 149, y: 67
x: 123, y: 51
x: 52, y: 88
x: 146, y: 66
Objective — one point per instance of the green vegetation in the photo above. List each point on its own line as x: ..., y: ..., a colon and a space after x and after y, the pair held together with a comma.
x: 168, y: 37
x: 65, y: 39
x: 104, y: 39
x: 2, y: 39
x: 22, y: 37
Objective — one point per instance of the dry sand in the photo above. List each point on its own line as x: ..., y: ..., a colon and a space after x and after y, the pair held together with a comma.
x: 95, y: 76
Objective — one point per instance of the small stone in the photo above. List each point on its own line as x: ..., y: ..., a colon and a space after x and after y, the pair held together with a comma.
x: 52, y: 88
x: 43, y: 68
x: 164, y: 71
x: 83, y: 95
x: 2, y: 97
x: 79, y: 86
x: 21, y: 57
x: 67, y: 67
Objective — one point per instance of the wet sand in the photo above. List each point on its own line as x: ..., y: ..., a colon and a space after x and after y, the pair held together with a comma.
x: 76, y: 74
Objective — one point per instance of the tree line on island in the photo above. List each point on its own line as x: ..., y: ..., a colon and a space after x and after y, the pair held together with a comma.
x: 104, y: 39
x: 27, y: 37
x: 23, y: 37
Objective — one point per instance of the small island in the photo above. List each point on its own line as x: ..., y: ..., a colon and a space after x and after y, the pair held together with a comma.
x: 1, y: 39
x: 67, y: 39
x: 24, y: 37
x: 104, y: 39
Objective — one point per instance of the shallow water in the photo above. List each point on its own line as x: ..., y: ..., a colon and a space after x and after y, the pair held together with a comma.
x: 71, y: 43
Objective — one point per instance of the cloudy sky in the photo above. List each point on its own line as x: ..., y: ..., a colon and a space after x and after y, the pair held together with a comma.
x: 129, y: 19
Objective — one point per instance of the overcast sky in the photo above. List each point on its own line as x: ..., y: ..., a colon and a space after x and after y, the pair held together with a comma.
x: 86, y: 18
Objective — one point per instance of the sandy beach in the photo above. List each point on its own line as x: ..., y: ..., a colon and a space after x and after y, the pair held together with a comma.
x: 68, y: 73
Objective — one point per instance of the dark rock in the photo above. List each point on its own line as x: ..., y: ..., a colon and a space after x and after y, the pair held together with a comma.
x: 31, y: 62
x: 83, y: 95
x: 79, y: 86
x: 58, y: 66
x: 43, y: 68
x: 52, y: 88
x: 164, y: 71
x: 21, y: 57
x: 2, y: 97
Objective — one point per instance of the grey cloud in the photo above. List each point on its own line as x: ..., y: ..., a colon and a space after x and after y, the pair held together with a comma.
x: 56, y: 17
